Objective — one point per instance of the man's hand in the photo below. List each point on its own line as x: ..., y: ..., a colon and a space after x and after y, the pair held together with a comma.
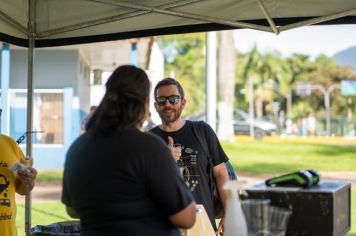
x: 176, y: 151
x: 25, y: 180
x: 27, y: 175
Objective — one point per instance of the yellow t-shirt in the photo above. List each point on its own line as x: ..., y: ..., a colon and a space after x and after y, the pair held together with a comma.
x: 10, y: 154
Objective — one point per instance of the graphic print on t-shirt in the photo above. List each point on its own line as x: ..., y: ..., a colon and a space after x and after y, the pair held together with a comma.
x: 4, y: 184
x: 188, y: 165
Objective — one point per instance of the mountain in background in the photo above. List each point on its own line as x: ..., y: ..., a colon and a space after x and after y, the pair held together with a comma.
x: 346, y: 57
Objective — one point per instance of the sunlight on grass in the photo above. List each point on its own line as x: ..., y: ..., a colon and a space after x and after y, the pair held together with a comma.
x: 43, y: 213
x: 46, y: 176
x: 48, y: 212
x: 353, y: 214
x: 272, y: 157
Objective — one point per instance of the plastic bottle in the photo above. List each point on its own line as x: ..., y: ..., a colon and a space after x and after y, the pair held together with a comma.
x: 235, y: 222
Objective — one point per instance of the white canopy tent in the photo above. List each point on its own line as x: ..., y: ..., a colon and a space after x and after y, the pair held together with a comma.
x: 46, y: 23
x: 54, y: 23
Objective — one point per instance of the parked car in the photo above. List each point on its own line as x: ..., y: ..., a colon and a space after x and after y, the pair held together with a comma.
x: 242, y: 124
x: 261, y: 127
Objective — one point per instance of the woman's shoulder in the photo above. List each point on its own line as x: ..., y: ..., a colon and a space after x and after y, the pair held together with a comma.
x: 151, y: 138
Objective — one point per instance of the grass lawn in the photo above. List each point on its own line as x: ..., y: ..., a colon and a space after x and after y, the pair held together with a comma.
x: 271, y: 157
x: 48, y: 212
x: 49, y: 176
x: 353, y: 214
x: 284, y: 156
x: 246, y: 156
x: 43, y: 213
x: 279, y: 157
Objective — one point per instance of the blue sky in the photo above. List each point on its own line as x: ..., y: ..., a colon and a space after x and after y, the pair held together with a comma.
x: 310, y: 40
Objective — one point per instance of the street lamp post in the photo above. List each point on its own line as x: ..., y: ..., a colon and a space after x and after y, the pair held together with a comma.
x: 327, y: 106
x: 251, y: 108
x: 275, y: 86
x: 288, y: 97
x: 326, y: 92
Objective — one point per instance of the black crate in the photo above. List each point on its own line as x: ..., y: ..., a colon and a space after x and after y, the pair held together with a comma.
x: 321, y: 210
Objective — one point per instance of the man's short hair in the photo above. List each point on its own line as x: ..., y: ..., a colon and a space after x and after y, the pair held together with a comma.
x: 169, y: 81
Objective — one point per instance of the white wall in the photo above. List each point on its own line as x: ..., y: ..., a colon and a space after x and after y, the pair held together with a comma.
x: 155, y: 73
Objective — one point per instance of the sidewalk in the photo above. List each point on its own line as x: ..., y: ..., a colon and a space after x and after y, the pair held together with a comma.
x: 44, y: 192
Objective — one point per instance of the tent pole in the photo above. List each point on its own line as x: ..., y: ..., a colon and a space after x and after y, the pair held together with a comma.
x: 108, y: 19
x: 30, y: 91
x: 13, y: 22
x: 187, y: 15
x: 268, y: 17
x: 318, y: 20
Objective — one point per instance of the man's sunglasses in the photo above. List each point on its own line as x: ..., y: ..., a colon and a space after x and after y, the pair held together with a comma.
x: 173, y: 100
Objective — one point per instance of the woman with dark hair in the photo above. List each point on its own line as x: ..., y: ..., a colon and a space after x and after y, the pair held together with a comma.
x: 119, y: 180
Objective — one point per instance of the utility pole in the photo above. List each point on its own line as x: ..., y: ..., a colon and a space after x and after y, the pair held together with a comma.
x: 327, y: 106
x: 251, y: 108
x: 275, y: 86
x: 211, y: 78
x: 306, y: 88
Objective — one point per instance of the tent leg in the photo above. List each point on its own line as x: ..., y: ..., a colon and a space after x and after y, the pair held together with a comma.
x: 30, y: 91
x: 29, y: 136
x: 28, y: 197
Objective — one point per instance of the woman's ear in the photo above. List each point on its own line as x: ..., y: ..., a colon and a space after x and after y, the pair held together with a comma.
x: 145, y: 114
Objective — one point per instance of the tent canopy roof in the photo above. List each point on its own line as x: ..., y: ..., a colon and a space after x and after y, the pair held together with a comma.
x: 66, y: 22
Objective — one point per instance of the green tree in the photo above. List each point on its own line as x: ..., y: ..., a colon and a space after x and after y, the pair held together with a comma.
x: 329, y: 74
x: 243, y: 68
x: 268, y: 69
x: 263, y: 69
x: 299, y: 66
x: 184, y: 56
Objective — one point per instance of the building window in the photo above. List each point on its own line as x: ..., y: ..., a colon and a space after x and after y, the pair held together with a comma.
x: 48, y: 112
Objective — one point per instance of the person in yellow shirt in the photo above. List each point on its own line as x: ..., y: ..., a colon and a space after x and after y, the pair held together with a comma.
x: 20, y: 180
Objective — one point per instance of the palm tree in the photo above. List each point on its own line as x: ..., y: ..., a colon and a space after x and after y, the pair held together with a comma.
x: 185, y: 61
x: 299, y: 67
x: 261, y: 68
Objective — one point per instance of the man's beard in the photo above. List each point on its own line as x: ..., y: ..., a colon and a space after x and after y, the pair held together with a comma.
x: 173, y: 115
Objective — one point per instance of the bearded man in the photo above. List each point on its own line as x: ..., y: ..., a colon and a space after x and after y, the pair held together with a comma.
x: 186, y: 148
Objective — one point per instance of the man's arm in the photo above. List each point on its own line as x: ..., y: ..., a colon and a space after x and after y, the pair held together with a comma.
x: 25, y: 180
x: 221, y: 176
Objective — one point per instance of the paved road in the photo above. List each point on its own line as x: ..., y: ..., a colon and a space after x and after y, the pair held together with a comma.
x: 53, y: 191
x: 43, y: 192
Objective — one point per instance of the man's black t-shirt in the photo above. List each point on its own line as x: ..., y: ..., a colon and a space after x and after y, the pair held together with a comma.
x: 124, y: 184
x: 194, y: 162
